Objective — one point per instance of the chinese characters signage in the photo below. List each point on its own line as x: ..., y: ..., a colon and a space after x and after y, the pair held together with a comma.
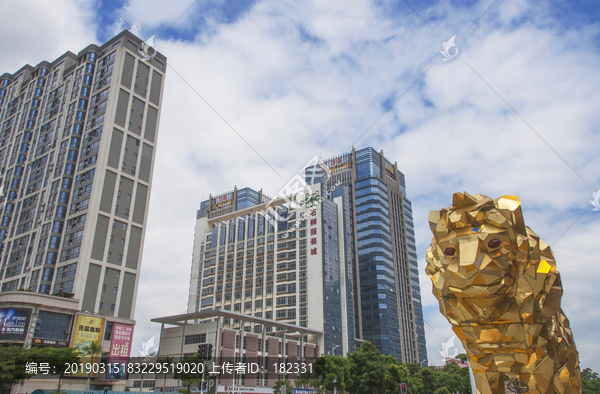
x: 50, y: 342
x: 14, y: 323
x: 313, y: 231
x: 120, y: 348
x: 87, y: 330
x: 389, y: 169
x: 222, y: 201
x: 339, y: 164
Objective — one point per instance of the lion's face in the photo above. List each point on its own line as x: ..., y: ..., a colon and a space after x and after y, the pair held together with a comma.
x: 475, y: 249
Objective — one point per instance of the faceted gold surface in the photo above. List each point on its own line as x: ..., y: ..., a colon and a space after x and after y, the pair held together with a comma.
x: 498, y: 286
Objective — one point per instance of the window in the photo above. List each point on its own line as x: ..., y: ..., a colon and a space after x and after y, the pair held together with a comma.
x: 114, y: 290
x: 193, y: 339
x: 112, y: 307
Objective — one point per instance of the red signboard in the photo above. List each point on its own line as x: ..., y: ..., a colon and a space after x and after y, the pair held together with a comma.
x: 120, y: 346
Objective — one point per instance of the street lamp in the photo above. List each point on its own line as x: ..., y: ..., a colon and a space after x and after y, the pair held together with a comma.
x: 424, y: 361
x: 333, y: 350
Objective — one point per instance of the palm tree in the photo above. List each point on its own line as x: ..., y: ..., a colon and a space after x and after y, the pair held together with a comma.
x: 93, y: 349
x: 167, y: 360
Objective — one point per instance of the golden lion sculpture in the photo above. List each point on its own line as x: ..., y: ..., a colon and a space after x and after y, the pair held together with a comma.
x: 497, y: 283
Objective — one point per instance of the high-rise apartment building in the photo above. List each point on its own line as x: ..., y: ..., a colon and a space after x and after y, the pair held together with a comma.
x: 290, y: 264
x: 77, y: 146
x: 382, y: 250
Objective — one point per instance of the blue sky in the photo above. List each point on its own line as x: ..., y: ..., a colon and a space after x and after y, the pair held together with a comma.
x: 516, y: 112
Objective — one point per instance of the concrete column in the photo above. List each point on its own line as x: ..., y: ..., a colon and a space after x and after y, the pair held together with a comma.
x: 218, y: 341
x: 264, y: 355
x: 283, y: 352
x: 183, y: 337
x: 301, y: 346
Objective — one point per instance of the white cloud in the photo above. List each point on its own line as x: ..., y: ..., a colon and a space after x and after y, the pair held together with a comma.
x: 36, y: 31
x: 291, y: 97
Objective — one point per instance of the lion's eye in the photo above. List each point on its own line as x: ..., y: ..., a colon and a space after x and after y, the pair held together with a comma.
x: 494, y: 243
x: 449, y: 251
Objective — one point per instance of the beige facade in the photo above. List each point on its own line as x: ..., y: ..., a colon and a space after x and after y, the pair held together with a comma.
x: 77, y: 152
x: 272, y: 260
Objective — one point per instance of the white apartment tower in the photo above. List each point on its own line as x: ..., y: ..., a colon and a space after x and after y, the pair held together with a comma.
x: 77, y: 147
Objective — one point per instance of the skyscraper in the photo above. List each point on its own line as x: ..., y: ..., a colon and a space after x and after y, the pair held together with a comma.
x: 77, y: 147
x: 286, y: 264
x: 386, y: 291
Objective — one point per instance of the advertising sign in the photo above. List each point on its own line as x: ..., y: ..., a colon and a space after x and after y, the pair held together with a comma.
x: 120, y: 348
x: 222, y: 388
x: 223, y: 201
x: 87, y: 330
x: 389, y: 169
x: 50, y: 342
x: 14, y: 324
x: 339, y: 164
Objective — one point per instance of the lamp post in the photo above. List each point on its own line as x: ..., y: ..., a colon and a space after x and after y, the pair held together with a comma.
x: 424, y: 361
x: 333, y: 350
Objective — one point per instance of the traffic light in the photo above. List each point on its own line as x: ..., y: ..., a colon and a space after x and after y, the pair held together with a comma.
x: 209, y: 351
x: 201, y: 352
x: 403, y: 388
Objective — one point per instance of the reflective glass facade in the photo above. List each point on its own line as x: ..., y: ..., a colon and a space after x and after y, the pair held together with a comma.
x: 387, y: 300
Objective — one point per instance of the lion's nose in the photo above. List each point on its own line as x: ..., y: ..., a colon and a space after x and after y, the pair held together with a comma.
x: 468, y: 251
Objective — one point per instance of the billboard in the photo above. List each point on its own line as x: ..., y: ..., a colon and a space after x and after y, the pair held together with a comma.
x: 87, y: 330
x: 14, y: 324
x: 389, y: 169
x: 222, y: 201
x: 120, y: 348
x: 339, y: 164
x: 50, y: 342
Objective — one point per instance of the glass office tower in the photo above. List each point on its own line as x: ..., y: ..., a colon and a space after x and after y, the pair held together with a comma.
x: 386, y: 292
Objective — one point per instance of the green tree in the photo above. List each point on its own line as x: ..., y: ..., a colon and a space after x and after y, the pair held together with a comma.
x: 454, y: 378
x: 13, y: 359
x: 442, y: 390
x: 165, y: 360
x: 328, y: 372
x: 59, y: 358
x: 91, y: 351
x: 414, y: 381
x: 372, y: 373
x: 189, y: 371
x: 590, y: 382
x: 462, y: 357
x: 282, y: 382
x: 429, y: 379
